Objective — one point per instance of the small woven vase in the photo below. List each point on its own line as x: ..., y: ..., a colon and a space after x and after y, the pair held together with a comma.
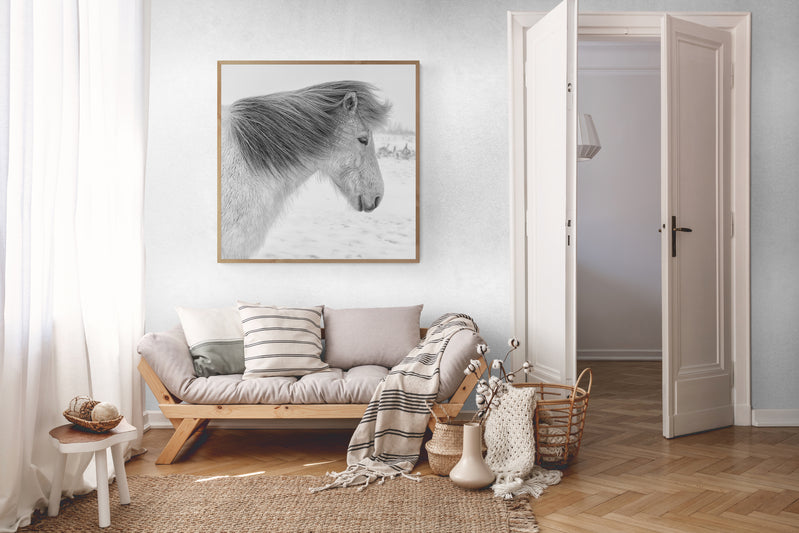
x: 472, y: 472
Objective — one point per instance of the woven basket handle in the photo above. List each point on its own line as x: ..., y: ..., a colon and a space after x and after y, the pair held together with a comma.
x: 580, y: 377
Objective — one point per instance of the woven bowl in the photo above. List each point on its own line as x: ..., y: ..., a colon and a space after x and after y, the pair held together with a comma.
x: 92, y: 426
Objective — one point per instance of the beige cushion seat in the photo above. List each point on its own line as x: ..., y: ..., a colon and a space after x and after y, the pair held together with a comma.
x: 168, y: 355
x: 331, y: 386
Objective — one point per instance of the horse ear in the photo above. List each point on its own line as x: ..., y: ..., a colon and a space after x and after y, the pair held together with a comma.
x: 351, y: 102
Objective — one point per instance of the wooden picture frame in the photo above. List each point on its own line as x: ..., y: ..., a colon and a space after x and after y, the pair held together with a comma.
x: 318, y: 161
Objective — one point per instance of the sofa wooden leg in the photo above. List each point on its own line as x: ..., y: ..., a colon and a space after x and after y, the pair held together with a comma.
x: 185, y: 430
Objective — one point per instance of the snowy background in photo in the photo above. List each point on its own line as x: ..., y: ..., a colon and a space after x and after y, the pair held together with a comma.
x: 318, y: 222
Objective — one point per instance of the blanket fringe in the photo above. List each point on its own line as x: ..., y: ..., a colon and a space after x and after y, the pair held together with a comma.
x: 510, y: 487
x: 361, y: 476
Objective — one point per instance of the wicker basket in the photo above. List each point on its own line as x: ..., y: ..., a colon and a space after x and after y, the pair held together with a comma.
x: 92, y: 426
x: 559, y: 420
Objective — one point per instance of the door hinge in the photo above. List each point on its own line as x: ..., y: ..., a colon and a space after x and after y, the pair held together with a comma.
x: 732, y: 225
x: 568, y: 233
x: 569, y: 95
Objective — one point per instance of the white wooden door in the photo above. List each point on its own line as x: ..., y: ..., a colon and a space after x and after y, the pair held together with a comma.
x: 551, y: 159
x: 695, y: 194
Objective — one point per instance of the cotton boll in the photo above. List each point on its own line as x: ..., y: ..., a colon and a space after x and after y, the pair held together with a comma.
x: 104, y: 411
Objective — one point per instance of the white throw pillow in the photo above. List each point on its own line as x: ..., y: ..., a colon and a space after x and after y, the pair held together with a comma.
x: 215, y: 339
x: 281, y: 341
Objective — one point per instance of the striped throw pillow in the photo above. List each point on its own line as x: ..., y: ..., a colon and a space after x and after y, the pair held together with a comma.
x: 281, y: 341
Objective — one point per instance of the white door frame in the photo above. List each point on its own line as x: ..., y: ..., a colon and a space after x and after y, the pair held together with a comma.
x: 624, y: 25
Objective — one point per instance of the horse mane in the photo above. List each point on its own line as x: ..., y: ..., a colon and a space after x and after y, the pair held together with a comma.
x: 281, y: 131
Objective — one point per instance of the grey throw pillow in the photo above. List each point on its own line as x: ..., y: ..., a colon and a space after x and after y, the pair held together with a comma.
x: 377, y: 336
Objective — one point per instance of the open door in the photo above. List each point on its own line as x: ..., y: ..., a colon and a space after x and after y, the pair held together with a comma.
x: 551, y: 166
x: 696, y: 79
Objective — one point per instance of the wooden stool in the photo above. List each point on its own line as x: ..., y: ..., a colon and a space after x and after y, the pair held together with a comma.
x: 70, y: 440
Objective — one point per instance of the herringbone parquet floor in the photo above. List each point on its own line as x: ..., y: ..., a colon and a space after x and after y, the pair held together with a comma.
x: 627, y: 478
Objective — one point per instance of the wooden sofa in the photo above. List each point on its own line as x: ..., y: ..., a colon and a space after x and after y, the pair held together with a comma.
x: 189, y: 419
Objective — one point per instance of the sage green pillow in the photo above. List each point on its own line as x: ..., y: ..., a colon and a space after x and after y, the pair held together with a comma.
x: 215, y: 338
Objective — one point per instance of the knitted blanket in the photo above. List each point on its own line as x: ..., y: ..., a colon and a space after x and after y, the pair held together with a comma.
x: 510, y: 443
x: 387, y: 441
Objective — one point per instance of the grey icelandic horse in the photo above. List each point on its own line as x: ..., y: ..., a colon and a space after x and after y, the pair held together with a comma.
x: 272, y: 144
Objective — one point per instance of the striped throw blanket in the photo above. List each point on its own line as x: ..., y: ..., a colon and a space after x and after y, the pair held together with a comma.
x: 386, y: 442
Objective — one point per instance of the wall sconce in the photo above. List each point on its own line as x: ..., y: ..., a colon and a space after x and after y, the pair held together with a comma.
x: 587, y: 139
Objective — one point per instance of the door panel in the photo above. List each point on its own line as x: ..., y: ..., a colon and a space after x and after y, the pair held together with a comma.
x: 551, y: 159
x: 696, y: 91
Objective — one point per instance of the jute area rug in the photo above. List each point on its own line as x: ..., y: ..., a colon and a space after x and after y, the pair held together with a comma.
x: 178, y: 503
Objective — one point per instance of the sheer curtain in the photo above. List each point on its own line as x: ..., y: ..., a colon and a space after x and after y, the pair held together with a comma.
x: 73, y: 127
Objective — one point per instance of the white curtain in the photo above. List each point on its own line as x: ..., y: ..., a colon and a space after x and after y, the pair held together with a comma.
x: 73, y: 125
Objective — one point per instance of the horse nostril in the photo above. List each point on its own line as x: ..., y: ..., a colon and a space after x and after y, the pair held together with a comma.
x: 360, y: 203
x: 377, y: 201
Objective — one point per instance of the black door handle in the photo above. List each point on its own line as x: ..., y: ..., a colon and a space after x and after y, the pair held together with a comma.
x: 674, y: 230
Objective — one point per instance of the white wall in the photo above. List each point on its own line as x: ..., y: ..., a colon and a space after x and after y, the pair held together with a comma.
x: 464, y: 156
x: 618, y: 203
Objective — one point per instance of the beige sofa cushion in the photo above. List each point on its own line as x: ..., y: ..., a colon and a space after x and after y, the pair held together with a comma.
x: 376, y: 336
x: 168, y: 354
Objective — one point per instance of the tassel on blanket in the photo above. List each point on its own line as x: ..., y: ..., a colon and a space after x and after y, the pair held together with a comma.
x: 360, y: 475
x: 534, y: 485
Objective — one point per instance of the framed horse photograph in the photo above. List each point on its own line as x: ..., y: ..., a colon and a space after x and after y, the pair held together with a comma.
x: 318, y: 161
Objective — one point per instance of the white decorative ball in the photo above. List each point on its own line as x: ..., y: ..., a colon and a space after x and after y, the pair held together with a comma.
x: 104, y: 411
x: 77, y: 402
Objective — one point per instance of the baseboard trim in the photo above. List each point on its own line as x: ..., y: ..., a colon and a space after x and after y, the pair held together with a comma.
x: 619, y: 354
x: 743, y: 414
x: 157, y: 420
x: 775, y: 417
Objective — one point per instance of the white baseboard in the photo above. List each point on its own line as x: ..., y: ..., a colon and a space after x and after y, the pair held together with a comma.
x: 157, y: 420
x: 619, y: 354
x: 775, y: 417
x: 742, y: 414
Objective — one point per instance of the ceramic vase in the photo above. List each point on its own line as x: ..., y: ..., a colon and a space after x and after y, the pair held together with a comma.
x: 472, y: 472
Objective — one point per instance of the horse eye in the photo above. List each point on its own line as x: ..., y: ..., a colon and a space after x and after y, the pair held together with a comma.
x: 364, y: 140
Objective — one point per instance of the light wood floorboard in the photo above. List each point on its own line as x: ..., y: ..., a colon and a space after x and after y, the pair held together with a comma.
x: 627, y: 476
